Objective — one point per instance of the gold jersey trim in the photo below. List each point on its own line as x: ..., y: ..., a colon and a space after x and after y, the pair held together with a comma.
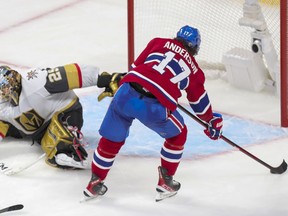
x: 73, y: 74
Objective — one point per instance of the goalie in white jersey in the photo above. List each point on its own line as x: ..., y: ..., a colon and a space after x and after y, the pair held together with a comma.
x: 40, y: 104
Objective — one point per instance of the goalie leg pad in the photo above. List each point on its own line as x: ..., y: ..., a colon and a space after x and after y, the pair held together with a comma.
x: 59, y: 140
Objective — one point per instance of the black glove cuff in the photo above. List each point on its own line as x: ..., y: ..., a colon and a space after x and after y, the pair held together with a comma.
x: 104, y: 80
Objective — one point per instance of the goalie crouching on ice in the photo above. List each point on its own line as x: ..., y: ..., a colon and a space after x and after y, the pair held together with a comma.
x: 41, y: 104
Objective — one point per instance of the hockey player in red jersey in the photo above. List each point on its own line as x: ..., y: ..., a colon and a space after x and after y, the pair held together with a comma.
x: 149, y: 92
x: 40, y: 104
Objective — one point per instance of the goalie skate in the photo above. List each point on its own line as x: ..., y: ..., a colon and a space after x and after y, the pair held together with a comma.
x: 64, y: 160
x: 167, y: 187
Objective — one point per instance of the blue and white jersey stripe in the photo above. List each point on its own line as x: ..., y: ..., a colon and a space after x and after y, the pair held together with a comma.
x: 201, y: 105
x: 157, y: 57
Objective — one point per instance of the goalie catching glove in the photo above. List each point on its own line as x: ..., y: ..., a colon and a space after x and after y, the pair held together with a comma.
x: 214, y: 127
x: 110, y: 83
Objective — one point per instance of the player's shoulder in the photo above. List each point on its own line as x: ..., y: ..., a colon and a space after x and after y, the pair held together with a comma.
x: 158, y: 42
x: 33, y: 74
x: 34, y: 78
x: 160, y: 39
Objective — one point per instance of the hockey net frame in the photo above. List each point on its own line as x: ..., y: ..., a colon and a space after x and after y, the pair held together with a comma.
x: 220, y: 66
x: 283, y: 63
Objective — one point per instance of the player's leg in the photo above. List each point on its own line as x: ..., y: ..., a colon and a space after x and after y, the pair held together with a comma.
x: 169, y: 125
x: 114, y: 130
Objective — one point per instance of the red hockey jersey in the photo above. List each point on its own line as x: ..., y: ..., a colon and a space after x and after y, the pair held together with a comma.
x: 164, y: 68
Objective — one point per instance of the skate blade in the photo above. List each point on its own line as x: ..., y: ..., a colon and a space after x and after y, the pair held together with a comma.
x: 90, y: 196
x: 86, y: 199
x: 164, y: 195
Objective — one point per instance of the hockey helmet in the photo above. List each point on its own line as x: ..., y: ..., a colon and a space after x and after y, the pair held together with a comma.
x: 10, y: 85
x: 191, y: 36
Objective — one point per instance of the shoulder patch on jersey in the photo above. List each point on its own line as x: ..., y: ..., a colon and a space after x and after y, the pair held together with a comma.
x: 32, y: 74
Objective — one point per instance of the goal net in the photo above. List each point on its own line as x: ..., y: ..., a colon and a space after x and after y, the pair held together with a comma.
x: 221, y: 31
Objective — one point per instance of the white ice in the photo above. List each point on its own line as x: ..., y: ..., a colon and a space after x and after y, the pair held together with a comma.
x: 217, y: 179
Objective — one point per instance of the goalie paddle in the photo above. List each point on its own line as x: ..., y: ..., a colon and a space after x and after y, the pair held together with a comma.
x: 274, y: 170
x: 12, y: 208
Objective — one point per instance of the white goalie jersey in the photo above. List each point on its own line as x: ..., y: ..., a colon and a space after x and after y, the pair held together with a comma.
x: 44, y: 92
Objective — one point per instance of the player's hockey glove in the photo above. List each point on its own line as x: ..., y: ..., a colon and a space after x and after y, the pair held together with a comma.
x: 110, y: 83
x: 214, y: 127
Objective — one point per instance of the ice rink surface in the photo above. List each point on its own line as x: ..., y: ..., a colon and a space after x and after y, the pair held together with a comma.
x: 216, y: 178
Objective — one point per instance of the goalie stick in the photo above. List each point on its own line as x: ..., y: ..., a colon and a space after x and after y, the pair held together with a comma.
x: 274, y: 170
x: 15, y: 170
x: 12, y: 208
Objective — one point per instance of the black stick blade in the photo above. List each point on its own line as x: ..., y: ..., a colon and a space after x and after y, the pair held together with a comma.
x: 12, y: 208
x: 279, y: 170
x: 15, y: 207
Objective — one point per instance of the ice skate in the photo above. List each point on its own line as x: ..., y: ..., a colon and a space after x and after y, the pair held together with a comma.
x: 167, y: 187
x: 65, y: 160
x: 94, y: 189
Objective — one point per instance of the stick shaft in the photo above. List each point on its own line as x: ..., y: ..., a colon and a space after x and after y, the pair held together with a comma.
x: 17, y: 170
x: 226, y: 139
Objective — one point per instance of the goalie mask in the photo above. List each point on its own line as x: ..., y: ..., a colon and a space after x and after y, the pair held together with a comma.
x: 10, y: 85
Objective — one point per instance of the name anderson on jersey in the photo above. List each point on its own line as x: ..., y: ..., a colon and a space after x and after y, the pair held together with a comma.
x: 183, y: 52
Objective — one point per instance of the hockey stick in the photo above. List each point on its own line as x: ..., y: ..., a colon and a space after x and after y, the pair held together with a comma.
x: 275, y: 170
x: 12, y: 208
x: 16, y: 170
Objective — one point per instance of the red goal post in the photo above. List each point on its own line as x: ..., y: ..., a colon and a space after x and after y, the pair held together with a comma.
x: 216, y: 20
x: 283, y: 63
